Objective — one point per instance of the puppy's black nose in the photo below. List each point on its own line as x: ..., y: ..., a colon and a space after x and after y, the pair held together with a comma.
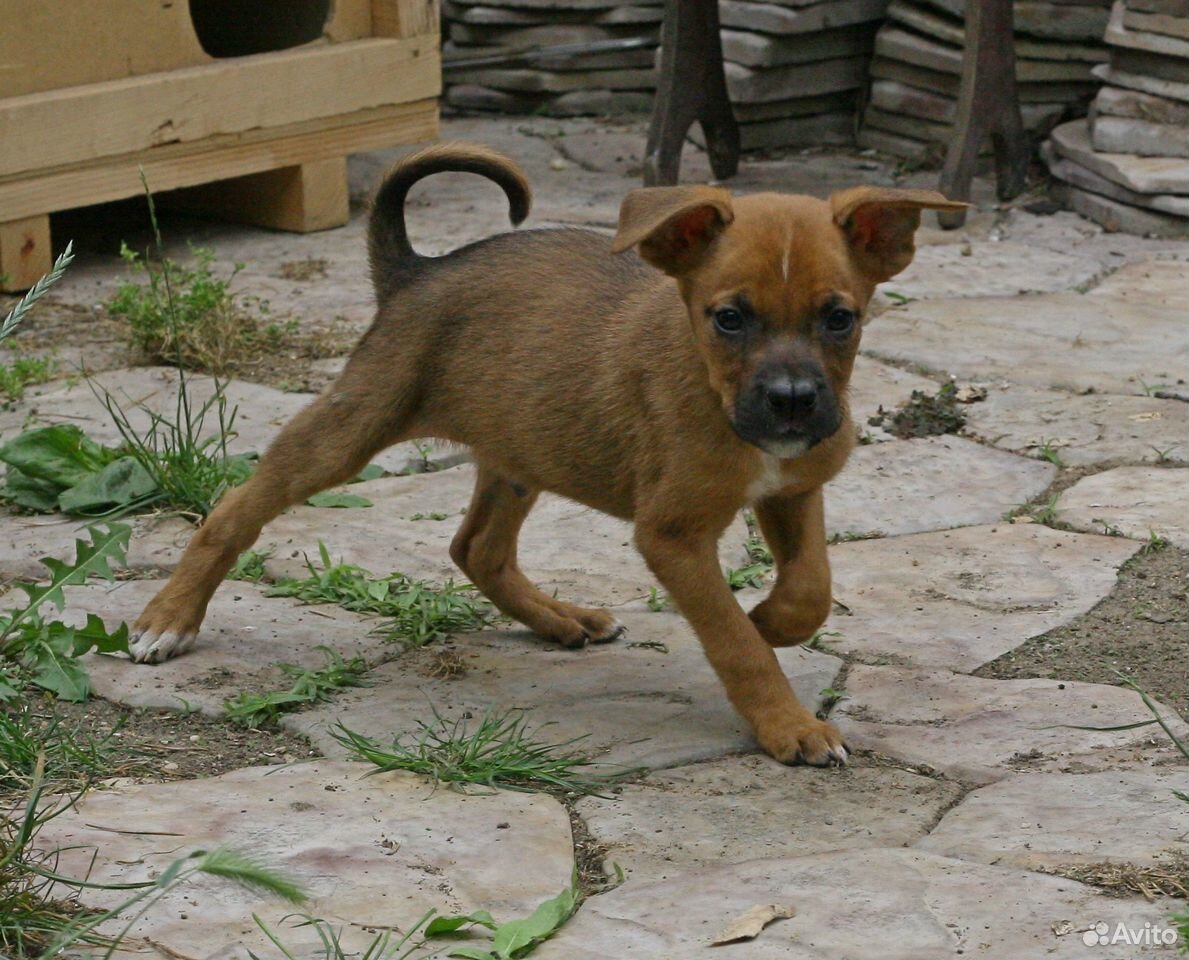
x: 791, y: 398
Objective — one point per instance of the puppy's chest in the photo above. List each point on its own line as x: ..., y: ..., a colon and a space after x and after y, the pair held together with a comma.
x: 772, y: 478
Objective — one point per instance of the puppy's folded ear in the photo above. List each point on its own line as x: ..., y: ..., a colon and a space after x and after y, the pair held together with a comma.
x: 879, y: 223
x: 673, y: 226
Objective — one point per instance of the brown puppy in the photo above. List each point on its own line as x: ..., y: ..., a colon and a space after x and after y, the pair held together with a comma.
x: 673, y: 398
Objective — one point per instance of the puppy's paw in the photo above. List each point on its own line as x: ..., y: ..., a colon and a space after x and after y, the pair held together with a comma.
x: 815, y: 742
x: 147, y: 645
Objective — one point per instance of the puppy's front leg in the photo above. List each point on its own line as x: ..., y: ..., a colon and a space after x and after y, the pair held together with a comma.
x: 686, y: 563
x: 794, y: 527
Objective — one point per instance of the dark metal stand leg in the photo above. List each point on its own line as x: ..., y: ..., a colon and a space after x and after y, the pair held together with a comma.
x: 988, y: 105
x: 692, y: 87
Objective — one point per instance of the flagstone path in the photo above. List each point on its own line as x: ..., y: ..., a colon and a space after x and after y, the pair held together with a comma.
x: 966, y: 793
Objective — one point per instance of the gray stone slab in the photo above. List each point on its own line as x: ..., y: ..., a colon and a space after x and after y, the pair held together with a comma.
x: 156, y: 544
x: 455, y: 57
x: 909, y: 486
x: 1156, y: 23
x: 746, y: 808
x: 1078, y: 176
x: 1135, y: 501
x: 843, y: 102
x: 582, y: 555
x: 576, y: 104
x: 563, y: 6
x: 1054, y: 340
x: 796, y: 19
x: 1162, y: 282
x: 1173, y: 69
x: 467, y: 36
x: 980, y: 731
x: 961, y: 598
x: 1082, y: 429
x: 1140, y: 137
x: 1170, y: 8
x: 1116, y: 217
x: 946, y: 84
x: 462, y: 12
x: 986, y: 268
x: 1038, y: 821
x: 897, y: 44
x: 527, y: 80
x: 1052, y: 20
x: 1121, y: 102
x: 260, y: 412
x: 632, y: 702
x: 874, y: 385
x: 953, y: 31
x: 895, y: 904
x: 1144, y: 83
x: 808, y: 79
x: 752, y: 49
x: 796, y: 131
x: 244, y: 635
x: 897, y: 145
x: 1119, y: 35
x: 1155, y: 175
x: 374, y: 852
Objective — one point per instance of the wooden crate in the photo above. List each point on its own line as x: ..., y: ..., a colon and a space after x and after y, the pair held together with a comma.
x: 261, y: 100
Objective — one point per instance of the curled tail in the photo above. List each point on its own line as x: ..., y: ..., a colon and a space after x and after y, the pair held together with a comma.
x: 387, y: 241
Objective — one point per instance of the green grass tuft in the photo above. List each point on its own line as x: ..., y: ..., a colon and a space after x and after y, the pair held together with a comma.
x: 500, y: 751
x: 255, y: 710
x: 416, y: 612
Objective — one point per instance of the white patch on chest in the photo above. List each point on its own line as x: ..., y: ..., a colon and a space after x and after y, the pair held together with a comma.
x: 772, y: 474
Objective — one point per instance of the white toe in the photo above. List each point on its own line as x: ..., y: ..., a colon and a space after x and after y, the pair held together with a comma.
x: 152, y: 647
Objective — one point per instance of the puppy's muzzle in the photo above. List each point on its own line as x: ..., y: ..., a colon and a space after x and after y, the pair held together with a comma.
x: 785, y: 411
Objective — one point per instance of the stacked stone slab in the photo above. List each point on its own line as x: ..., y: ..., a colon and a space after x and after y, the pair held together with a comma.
x: 1127, y: 165
x: 795, y: 68
x: 917, y: 67
x: 564, y: 85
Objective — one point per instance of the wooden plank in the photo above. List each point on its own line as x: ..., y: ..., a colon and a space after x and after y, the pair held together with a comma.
x: 305, y: 198
x: 186, y: 165
x: 25, y: 254
x: 100, y: 120
x: 406, y: 18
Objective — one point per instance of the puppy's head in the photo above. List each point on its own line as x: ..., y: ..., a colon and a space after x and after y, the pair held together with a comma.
x: 776, y: 287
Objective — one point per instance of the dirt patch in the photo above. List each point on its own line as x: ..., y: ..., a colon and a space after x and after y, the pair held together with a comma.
x: 76, y: 335
x: 1169, y: 878
x: 923, y: 415
x: 303, y: 270
x: 1141, y: 630
x: 159, y: 745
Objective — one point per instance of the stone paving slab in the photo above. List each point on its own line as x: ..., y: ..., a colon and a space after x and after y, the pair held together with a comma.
x: 260, y: 412
x: 910, y: 486
x: 584, y: 555
x: 874, y: 385
x: 894, y: 904
x: 1136, y: 501
x: 893, y: 488
x: 1081, y: 429
x: 961, y: 598
x: 745, y: 808
x: 980, y: 730
x: 1054, y: 819
x: 1062, y: 341
x: 987, y: 268
x: 374, y: 852
x: 634, y: 704
x: 156, y: 543
x: 1162, y: 283
x: 243, y: 636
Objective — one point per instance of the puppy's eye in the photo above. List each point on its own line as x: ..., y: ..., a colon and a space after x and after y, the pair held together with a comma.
x: 840, y: 321
x: 728, y: 321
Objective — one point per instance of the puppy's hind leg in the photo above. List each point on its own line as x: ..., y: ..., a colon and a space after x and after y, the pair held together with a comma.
x: 485, y: 549
x: 328, y: 443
